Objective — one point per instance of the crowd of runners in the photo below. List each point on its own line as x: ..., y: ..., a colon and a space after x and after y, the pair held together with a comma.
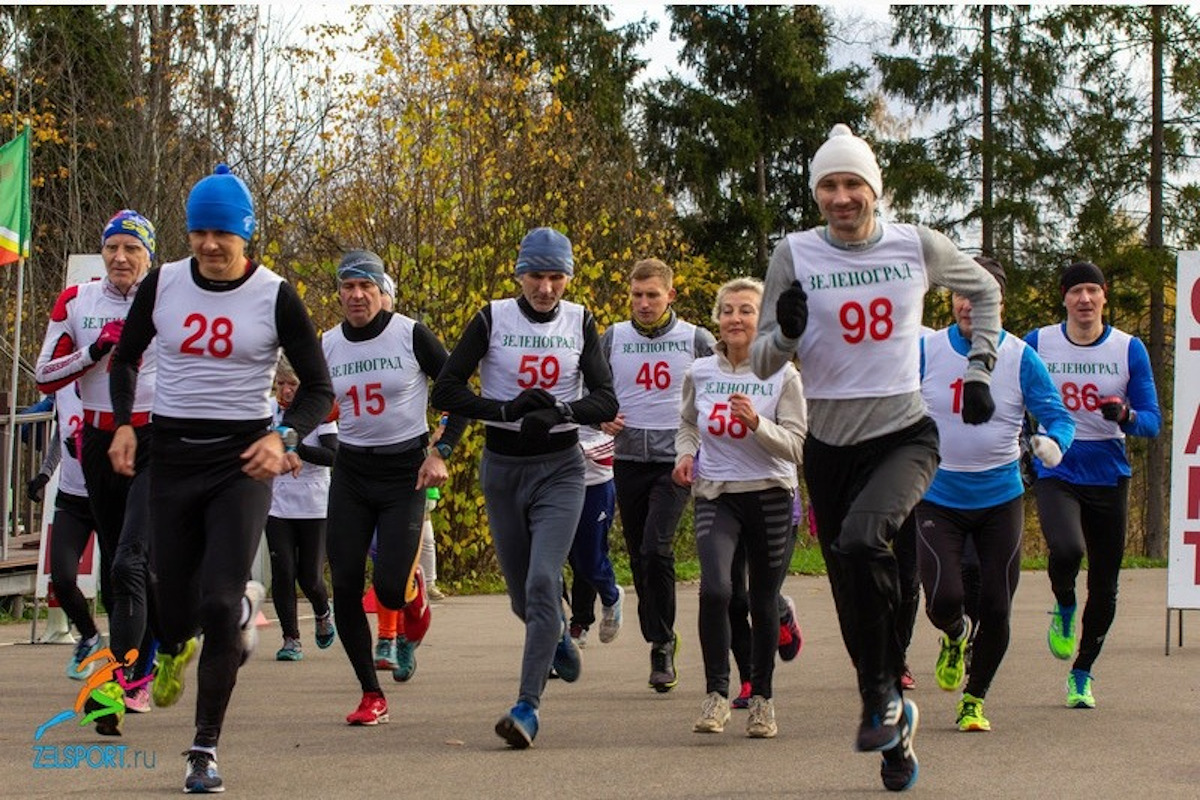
x: 915, y: 448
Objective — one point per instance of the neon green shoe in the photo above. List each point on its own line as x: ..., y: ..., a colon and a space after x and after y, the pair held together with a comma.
x: 1079, y: 690
x: 105, y: 706
x: 951, y: 663
x: 970, y: 714
x: 1061, y: 634
x: 168, y: 675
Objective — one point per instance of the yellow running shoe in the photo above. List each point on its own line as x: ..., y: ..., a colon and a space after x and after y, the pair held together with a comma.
x: 168, y: 675
x: 970, y: 714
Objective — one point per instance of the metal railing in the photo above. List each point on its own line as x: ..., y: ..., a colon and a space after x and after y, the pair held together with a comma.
x: 22, y: 517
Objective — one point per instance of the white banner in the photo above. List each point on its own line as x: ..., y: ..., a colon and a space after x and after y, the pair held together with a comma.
x: 1183, y: 567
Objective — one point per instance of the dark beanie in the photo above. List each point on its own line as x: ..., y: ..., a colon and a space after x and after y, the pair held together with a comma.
x: 545, y: 250
x: 996, y: 269
x: 1080, y: 272
x: 363, y: 264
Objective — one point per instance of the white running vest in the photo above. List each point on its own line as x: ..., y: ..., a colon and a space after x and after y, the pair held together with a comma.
x: 217, y: 351
x: 648, y: 373
x: 381, y: 392
x: 974, y: 448
x: 91, y: 309
x: 305, y: 496
x: 69, y: 409
x: 523, y: 354
x: 728, y: 449
x: 864, y: 315
x: 1085, y: 374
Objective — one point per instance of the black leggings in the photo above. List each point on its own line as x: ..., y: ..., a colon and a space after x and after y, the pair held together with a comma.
x: 297, y: 554
x: 651, y: 505
x: 208, y: 518
x: 1074, y: 519
x: 945, y: 534
x: 121, y: 511
x: 370, y: 493
x: 762, y: 523
x: 72, y: 526
x: 861, y: 495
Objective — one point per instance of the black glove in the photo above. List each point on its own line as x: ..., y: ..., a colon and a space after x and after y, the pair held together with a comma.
x: 977, y: 405
x: 1114, y: 409
x: 526, y: 401
x: 536, y: 425
x: 791, y: 311
x: 34, y: 488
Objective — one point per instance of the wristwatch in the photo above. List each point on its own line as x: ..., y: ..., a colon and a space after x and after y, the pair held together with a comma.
x: 443, y: 449
x: 289, y: 436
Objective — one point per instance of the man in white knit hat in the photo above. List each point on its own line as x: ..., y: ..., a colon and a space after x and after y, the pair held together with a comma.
x: 847, y: 298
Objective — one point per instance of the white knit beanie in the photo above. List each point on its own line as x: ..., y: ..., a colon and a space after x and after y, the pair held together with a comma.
x: 845, y: 152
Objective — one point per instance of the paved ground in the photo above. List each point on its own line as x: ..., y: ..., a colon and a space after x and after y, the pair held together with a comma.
x: 608, y: 736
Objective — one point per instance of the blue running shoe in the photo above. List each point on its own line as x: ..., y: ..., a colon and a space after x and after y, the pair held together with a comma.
x: 326, y: 630
x: 519, y: 727
x: 899, y: 768
x: 880, y: 728
x: 83, y: 650
x: 406, y: 659
x: 567, y: 662
x: 201, y: 776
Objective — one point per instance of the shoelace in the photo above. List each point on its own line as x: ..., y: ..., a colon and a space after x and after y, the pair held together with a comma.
x: 970, y: 709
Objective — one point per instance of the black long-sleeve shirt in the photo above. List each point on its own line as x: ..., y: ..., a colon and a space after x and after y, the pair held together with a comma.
x: 297, y: 336
x: 452, y: 391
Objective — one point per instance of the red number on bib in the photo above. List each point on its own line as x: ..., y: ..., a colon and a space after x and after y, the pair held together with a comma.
x: 956, y: 396
x: 858, y: 324
x: 656, y: 377
x: 721, y: 423
x: 1076, y: 397
x: 220, y: 341
x: 372, y: 399
x: 537, y: 371
x: 75, y: 423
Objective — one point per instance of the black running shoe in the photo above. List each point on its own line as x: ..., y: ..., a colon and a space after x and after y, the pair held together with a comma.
x: 201, y: 776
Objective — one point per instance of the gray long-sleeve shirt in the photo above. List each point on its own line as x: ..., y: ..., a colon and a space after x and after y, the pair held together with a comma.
x: 850, y: 421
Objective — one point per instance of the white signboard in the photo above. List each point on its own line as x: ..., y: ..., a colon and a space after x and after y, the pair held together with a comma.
x: 1183, y: 568
x: 84, y: 268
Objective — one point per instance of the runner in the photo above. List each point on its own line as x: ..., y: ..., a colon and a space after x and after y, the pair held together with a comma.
x: 649, y: 354
x: 847, y: 298
x: 977, y: 497
x: 752, y: 433
x: 84, y: 327
x: 296, y: 526
x: 542, y: 375
x: 72, y: 527
x: 381, y: 363
x: 1106, y: 383
x: 219, y: 321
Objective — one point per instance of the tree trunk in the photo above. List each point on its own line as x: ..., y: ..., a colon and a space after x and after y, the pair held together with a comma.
x: 1156, y: 462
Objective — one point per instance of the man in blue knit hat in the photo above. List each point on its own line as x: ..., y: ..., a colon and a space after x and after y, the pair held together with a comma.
x: 220, y: 321
x: 84, y: 327
x: 542, y: 376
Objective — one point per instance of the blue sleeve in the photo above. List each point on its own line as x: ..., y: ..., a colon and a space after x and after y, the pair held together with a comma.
x: 1043, y: 400
x: 1141, y: 394
x: 1031, y: 339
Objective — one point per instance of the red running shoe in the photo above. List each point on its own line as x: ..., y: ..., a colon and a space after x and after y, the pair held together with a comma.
x: 371, y: 711
x: 743, y: 699
x: 416, y: 611
x: 907, y: 681
x: 790, y: 639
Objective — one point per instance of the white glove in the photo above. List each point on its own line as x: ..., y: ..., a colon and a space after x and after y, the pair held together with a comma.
x: 1046, y: 449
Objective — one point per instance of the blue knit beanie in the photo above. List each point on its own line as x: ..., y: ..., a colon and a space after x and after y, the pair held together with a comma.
x: 366, y: 265
x: 545, y: 250
x: 131, y: 222
x: 221, y: 202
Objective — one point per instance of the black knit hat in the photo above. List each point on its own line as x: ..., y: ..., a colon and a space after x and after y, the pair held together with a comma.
x: 1081, y: 272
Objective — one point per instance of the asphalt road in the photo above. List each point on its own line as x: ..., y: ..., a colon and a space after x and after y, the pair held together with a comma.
x: 609, y: 736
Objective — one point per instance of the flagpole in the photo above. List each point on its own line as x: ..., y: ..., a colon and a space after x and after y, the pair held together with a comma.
x: 10, y: 441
